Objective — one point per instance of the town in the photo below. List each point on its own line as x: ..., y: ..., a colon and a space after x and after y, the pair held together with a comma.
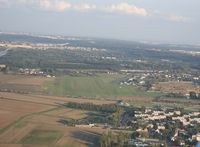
x: 157, y: 126
x: 173, y: 126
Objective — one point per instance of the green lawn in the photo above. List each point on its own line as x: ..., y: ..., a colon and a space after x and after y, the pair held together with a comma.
x: 101, y: 86
x: 42, y: 137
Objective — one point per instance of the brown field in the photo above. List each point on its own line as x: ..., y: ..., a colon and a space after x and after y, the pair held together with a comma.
x: 136, y: 99
x: 23, y: 79
x: 5, y: 78
x: 12, y: 110
x: 51, y: 100
x: 176, y: 87
x: 23, y: 83
x: 74, y: 136
x: 68, y: 113
x: 30, y: 80
x: 20, y: 114
x: 16, y: 134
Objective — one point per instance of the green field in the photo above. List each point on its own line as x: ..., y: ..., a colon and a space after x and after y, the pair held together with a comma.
x: 101, y: 86
x: 42, y: 137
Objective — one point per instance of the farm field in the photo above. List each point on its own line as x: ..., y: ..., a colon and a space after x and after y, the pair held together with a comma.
x: 68, y: 113
x: 11, y: 110
x: 176, y: 87
x: 23, y: 116
x: 42, y: 137
x: 26, y: 119
x: 23, y: 79
x: 51, y: 100
x: 100, y: 86
x: 30, y: 119
x: 23, y: 83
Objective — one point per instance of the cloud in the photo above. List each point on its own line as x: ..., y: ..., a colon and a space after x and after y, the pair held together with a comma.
x: 170, y: 17
x: 84, y: 7
x: 177, y: 18
x: 54, y: 5
x: 64, y: 5
x: 61, y: 5
x: 48, y: 5
x: 127, y: 9
x: 57, y: 5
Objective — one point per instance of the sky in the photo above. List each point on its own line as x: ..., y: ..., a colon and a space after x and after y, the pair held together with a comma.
x: 172, y: 21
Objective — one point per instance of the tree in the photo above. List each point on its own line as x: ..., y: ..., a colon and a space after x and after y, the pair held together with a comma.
x: 103, y: 141
x: 120, y: 139
x: 110, y: 138
x: 143, y: 108
x: 135, y: 135
x: 148, y: 85
x: 165, y: 144
x: 193, y: 95
x: 117, y: 116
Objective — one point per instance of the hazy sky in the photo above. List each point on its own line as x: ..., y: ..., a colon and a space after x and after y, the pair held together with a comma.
x: 151, y: 20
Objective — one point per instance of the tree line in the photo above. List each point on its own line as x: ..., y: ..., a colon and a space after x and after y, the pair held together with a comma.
x: 106, y: 108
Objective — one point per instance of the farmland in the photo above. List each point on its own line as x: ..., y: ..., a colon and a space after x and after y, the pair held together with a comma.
x: 23, y: 83
x: 177, y: 87
x: 33, y: 108
x: 24, y: 116
x: 63, y: 91
x: 42, y: 137
x: 94, y: 86
x: 98, y: 86
x: 11, y: 110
